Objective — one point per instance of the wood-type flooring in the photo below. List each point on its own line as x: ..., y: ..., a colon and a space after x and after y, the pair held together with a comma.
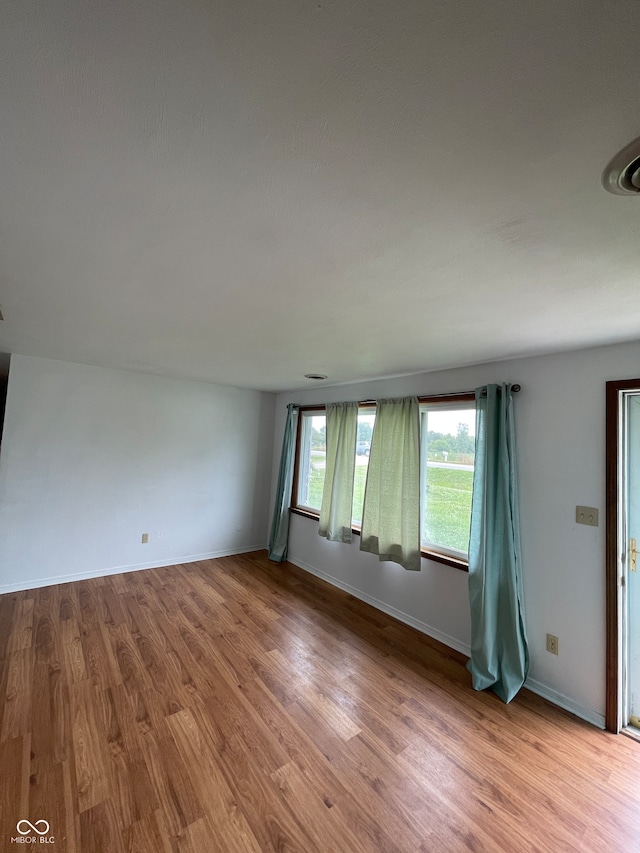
x: 241, y: 705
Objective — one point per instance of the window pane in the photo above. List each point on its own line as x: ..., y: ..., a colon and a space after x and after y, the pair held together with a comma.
x: 366, y: 419
x: 312, y: 461
x: 448, y: 450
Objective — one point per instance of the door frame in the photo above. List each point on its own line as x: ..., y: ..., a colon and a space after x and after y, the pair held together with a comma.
x: 613, y: 562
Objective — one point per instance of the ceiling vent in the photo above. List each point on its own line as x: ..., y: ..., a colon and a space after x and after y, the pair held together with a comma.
x: 622, y: 175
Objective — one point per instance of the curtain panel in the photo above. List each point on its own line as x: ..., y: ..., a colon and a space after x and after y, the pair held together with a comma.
x: 279, y: 536
x: 337, y: 495
x: 391, y: 512
x: 499, y: 650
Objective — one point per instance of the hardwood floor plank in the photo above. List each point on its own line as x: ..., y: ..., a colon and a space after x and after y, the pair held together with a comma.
x: 232, y: 723
x: 8, y: 607
x: 145, y: 836
x: 49, y: 719
x: 518, y: 768
x: 326, y: 827
x: 70, y: 841
x: 131, y: 791
x: 473, y: 798
x: 131, y: 667
x: 420, y: 810
x: 100, y: 661
x: 46, y: 639
x: 359, y: 813
x: 110, y: 610
x: 86, y: 594
x: 99, y: 831
x: 21, y: 636
x: 73, y: 653
x: 227, y: 822
x: 171, y: 783
x: 44, y: 779
x: 320, y: 707
x: 200, y: 836
x: 274, y: 671
x: 12, y: 806
x: 88, y: 750
x: 18, y: 693
x: 269, y: 818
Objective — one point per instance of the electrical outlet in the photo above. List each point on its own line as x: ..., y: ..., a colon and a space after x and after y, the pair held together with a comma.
x: 145, y: 538
x: 552, y: 644
x: 587, y: 515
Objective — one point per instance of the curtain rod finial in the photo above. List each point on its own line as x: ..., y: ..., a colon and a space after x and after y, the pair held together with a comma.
x: 514, y: 388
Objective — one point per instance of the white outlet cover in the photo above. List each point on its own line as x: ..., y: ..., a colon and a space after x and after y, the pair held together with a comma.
x: 587, y: 515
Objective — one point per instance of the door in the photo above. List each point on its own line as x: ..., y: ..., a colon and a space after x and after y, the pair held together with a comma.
x: 622, y: 583
x: 631, y: 713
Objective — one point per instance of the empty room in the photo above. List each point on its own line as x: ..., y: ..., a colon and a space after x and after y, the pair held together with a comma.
x: 320, y: 426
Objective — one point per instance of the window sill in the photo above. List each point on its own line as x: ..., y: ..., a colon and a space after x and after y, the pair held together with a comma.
x: 445, y: 559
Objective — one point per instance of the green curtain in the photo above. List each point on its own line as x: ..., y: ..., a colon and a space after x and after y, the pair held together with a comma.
x: 279, y: 537
x: 499, y: 651
x: 337, y: 496
x: 391, y: 512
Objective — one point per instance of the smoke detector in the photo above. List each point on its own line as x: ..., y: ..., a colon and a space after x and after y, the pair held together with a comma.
x: 622, y: 175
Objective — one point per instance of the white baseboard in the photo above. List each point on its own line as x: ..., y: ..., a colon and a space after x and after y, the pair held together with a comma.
x: 535, y: 686
x: 119, y: 570
x: 565, y: 702
x: 434, y: 633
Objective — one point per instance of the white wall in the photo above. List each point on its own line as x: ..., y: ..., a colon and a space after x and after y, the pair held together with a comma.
x: 91, y: 458
x: 560, y: 417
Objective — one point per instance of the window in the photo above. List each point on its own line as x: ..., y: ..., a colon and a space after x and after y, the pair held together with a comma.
x: 447, y: 449
x: 366, y: 420
x: 447, y: 460
x: 310, y: 460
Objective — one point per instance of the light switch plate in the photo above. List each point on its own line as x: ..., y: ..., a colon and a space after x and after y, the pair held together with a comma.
x: 587, y: 515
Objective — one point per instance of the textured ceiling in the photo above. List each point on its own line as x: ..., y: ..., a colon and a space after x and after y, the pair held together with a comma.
x: 244, y: 192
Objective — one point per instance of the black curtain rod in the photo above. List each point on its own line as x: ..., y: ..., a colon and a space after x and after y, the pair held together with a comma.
x: 515, y: 388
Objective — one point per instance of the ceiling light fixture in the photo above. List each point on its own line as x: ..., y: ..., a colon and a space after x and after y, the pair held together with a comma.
x: 317, y: 376
x: 622, y: 175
